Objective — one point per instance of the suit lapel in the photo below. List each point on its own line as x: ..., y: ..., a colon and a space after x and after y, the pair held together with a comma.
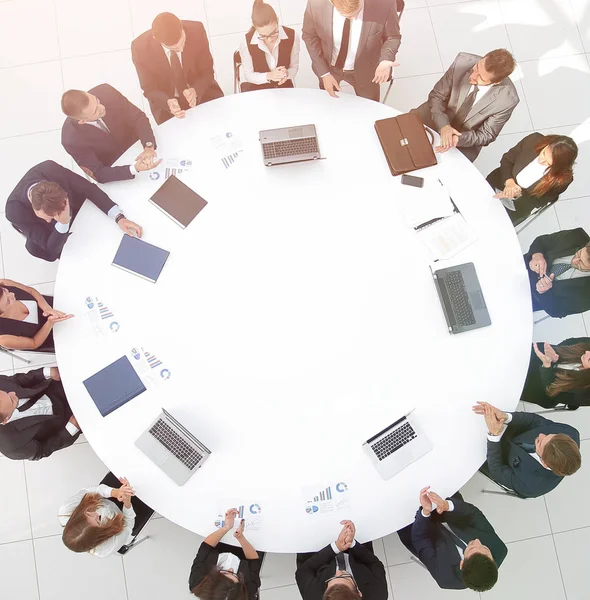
x: 490, y: 96
x: 366, y: 27
x: 463, y: 89
x: 161, y: 63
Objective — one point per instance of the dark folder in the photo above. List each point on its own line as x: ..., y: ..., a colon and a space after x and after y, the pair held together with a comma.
x: 178, y: 201
x: 138, y: 257
x: 114, y: 386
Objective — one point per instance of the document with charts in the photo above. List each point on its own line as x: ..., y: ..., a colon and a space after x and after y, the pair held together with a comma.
x: 101, y: 317
x: 251, y: 512
x: 447, y: 237
x: 170, y: 166
x: 151, y: 369
x: 326, y: 499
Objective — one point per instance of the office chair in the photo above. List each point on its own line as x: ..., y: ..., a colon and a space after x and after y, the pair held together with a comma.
x: 13, y: 354
x: 237, y: 65
x: 505, y: 491
x: 534, y: 214
x: 418, y: 561
x: 557, y: 408
x: 400, y: 10
x: 536, y: 321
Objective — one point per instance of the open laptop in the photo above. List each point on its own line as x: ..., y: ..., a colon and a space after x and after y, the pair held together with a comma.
x: 173, y: 448
x: 289, y: 144
x: 397, y: 446
x: 461, y: 298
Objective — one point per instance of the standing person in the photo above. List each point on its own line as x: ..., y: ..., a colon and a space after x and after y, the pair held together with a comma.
x: 269, y: 52
x: 174, y: 66
x: 352, y: 40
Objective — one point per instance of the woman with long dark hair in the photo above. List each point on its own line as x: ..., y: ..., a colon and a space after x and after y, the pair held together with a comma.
x: 534, y: 173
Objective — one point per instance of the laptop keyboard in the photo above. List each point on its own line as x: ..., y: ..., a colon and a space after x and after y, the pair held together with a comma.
x: 173, y: 442
x: 285, y: 148
x: 393, y: 441
x: 459, y: 298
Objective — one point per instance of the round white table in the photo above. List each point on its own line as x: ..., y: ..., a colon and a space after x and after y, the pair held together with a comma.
x: 298, y: 317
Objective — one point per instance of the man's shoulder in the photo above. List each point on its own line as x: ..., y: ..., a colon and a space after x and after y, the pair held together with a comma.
x: 465, y: 60
x: 141, y: 42
x: 43, y: 170
x: 193, y: 27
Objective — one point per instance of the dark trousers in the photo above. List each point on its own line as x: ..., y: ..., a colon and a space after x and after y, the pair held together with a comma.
x: 161, y: 115
x: 303, y: 556
x: 252, y: 87
x: 371, y: 90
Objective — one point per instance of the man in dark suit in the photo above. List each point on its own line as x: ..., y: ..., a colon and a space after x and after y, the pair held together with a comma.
x: 101, y: 125
x: 352, y: 40
x: 472, y: 101
x: 528, y: 453
x: 455, y: 542
x: 47, y: 199
x: 174, y: 66
x: 559, y: 272
x: 345, y: 569
x: 35, y: 417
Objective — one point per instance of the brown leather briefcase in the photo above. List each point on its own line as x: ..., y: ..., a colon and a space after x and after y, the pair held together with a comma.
x: 405, y: 142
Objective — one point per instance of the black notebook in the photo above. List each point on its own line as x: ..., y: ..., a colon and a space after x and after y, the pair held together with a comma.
x: 178, y: 201
x: 138, y: 257
x: 114, y: 386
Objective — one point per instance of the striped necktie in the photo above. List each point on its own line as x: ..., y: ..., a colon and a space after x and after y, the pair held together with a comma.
x: 560, y: 268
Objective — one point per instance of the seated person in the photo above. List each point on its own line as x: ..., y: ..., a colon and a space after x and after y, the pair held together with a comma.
x: 101, y: 125
x: 455, y: 542
x: 534, y: 173
x: 269, y: 53
x: 343, y: 570
x: 223, y: 571
x: 35, y: 417
x: 45, y: 202
x: 528, y: 453
x: 559, y: 272
x: 27, y: 318
x: 472, y: 101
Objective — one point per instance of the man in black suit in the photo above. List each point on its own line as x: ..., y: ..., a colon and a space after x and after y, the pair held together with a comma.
x: 174, y: 66
x: 47, y: 199
x: 343, y: 570
x: 35, y: 417
x: 559, y: 272
x: 101, y: 125
x: 528, y: 453
x: 455, y: 542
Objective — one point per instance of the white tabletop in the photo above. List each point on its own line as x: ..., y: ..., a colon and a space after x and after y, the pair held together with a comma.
x: 298, y: 317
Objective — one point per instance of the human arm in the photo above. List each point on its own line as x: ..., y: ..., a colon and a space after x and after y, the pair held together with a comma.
x: 205, y: 559
x: 250, y: 74
x: 21, y: 342
x: 313, y: 42
x: 391, y: 36
x: 148, y: 79
x: 438, y: 98
x: 36, y: 450
x: 45, y: 307
x: 566, y: 239
x: 305, y: 575
x: 294, y: 62
x: 487, y: 131
x: 249, y: 551
x: 228, y: 523
x: 201, y: 74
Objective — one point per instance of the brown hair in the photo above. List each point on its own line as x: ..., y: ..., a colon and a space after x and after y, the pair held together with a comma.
x: 341, y: 592
x: 73, y: 102
x: 567, y: 380
x: 564, y: 152
x: 263, y: 14
x: 80, y: 536
x: 167, y: 29
x: 499, y: 62
x: 216, y: 586
x: 562, y: 455
x: 48, y: 197
x: 347, y: 6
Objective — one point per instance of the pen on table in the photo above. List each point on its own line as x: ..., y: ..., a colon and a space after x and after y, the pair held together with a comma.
x: 427, y: 223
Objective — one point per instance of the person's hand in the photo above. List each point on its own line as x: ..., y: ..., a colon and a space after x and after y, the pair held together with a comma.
x: 494, y: 418
x: 479, y: 409
x: 285, y: 77
x: 175, y: 109
x: 48, y: 310
x: 54, y: 374
x: 130, y: 228
x: 545, y: 283
x: 230, y: 518
x: 58, y: 319
x: 538, y: 264
x: 449, y: 138
x: 277, y: 74
x: 346, y: 535
x: 550, y: 352
x: 425, y: 501
x: 331, y: 85
x: 191, y: 96
x: 511, y: 189
x: 73, y: 421
x: 147, y: 160
x: 64, y: 216
x: 442, y: 505
x: 542, y: 357
x: 125, y: 490
x: 384, y: 71
x: 239, y: 532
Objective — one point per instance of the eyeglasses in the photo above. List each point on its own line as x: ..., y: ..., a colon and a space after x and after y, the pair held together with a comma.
x: 270, y: 35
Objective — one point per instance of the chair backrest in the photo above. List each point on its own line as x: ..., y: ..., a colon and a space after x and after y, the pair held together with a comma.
x: 535, y: 213
x: 237, y: 65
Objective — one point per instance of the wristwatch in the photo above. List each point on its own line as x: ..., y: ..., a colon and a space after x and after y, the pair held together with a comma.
x: 148, y: 145
x: 119, y: 217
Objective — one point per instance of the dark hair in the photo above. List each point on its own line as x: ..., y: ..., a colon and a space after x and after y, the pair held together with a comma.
x: 564, y: 152
x: 562, y: 455
x: 567, y: 380
x: 341, y: 592
x: 216, y: 586
x: 500, y: 63
x: 479, y: 572
x: 167, y: 29
x: 73, y: 102
x: 263, y: 14
x: 48, y: 197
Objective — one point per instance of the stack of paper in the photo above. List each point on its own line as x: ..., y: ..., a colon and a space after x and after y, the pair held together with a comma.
x: 447, y: 237
x: 420, y: 205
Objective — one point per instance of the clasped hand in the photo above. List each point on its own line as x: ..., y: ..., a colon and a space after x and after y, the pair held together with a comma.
x: 279, y: 75
x: 428, y: 499
x: 230, y: 520
x: 494, y: 417
x: 147, y: 160
x: 511, y: 190
x: 548, y: 356
x: 449, y: 138
x: 346, y: 536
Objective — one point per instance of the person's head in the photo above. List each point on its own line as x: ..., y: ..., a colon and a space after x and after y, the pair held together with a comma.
x: 82, y: 106
x: 581, y: 259
x: 558, y: 153
x: 348, y: 8
x: 8, y: 404
x: 265, y: 21
x: 566, y: 380
x: 341, y: 587
x: 7, y: 299
x: 478, y: 568
x: 48, y: 200
x: 493, y: 68
x: 221, y: 585
x: 559, y: 453
x: 86, y: 529
x: 167, y: 29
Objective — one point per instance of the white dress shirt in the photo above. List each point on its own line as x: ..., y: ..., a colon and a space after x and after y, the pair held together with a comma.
x: 168, y: 53
x: 33, y: 316
x: 573, y: 273
x: 531, y: 173
x: 482, y: 90
x: 355, y: 36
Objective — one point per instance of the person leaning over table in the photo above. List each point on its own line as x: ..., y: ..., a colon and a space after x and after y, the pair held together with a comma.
x: 222, y: 571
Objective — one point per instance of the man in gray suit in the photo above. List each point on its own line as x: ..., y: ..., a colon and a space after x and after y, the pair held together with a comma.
x: 472, y: 101
x: 352, y: 40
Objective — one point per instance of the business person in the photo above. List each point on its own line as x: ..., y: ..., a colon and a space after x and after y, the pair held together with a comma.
x: 528, y: 453
x: 343, y: 570
x: 455, y: 542
x: 35, y: 417
x: 47, y: 199
x: 559, y: 272
x: 534, y: 173
x: 101, y: 125
x: 269, y: 52
x: 174, y: 66
x: 354, y: 41
x: 223, y: 571
x: 471, y: 102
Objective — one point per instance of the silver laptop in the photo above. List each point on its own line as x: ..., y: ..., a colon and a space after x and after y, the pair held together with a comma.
x: 289, y: 144
x: 397, y: 446
x: 173, y: 448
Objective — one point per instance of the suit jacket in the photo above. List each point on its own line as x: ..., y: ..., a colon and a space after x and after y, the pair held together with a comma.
x: 380, y: 37
x: 435, y: 545
x: 567, y: 297
x: 97, y: 150
x: 19, y: 210
x: 369, y: 573
x: 512, y: 466
x: 33, y: 438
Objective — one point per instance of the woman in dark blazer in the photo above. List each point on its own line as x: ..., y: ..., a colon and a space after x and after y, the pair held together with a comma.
x: 534, y: 173
x: 223, y: 571
x: 559, y: 375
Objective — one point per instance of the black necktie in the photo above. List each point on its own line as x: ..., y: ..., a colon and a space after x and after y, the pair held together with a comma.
x: 464, y: 109
x: 527, y: 447
x: 341, y: 60
x: 341, y: 562
x: 177, y: 74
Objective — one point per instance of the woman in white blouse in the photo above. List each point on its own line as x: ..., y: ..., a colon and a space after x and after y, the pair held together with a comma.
x: 534, y: 173
x: 269, y: 52
x: 94, y: 524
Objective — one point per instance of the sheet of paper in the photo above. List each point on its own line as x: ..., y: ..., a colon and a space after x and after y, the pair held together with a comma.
x: 326, y: 499
x: 101, y: 317
x: 421, y: 205
x: 151, y: 369
x: 447, y: 237
x: 251, y: 512
x: 227, y: 147
x: 170, y: 166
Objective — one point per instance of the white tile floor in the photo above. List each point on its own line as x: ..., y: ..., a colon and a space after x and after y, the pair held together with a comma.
x: 48, y: 46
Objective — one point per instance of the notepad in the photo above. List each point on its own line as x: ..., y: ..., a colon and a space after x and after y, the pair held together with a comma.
x: 177, y: 201
x: 114, y: 386
x: 140, y: 258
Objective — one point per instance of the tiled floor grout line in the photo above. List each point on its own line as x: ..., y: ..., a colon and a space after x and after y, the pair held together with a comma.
x: 555, y: 546
x: 31, y: 526
x: 435, y: 39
